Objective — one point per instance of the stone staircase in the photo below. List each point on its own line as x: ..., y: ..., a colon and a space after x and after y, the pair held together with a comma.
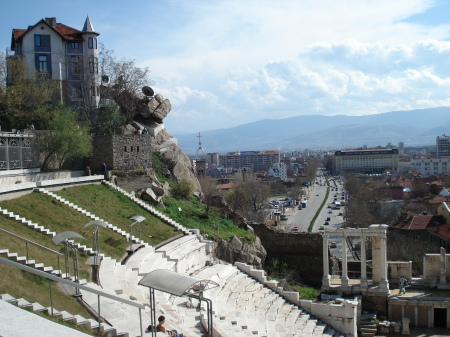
x: 243, y: 307
x: 149, y: 208
x: 63, y: 315
x: 32, y: 263
x: 41, y: 229
x: 91, y: 216
x: 367, y: 326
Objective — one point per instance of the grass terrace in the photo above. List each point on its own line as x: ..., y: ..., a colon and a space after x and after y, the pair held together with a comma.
x: 115, y: 208
x: 194, y: 214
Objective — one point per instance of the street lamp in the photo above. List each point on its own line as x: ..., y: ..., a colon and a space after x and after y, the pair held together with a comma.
x: 96, y: 241
x: 64, y: 237
x: 137, y: 219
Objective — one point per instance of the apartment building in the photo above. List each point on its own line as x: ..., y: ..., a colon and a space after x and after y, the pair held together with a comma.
x: 430, y: 166
x: 364, y: 160
x: 443, y: 146
x: 256, y: 160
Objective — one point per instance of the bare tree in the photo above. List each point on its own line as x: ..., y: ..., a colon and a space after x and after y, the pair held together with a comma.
x: 124, y: 81
x: 209, y: 191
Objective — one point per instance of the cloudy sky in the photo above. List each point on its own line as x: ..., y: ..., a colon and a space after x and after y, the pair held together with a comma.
x: 225, y: 63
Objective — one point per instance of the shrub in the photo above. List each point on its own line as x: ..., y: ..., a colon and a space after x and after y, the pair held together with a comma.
x: 182, y: 190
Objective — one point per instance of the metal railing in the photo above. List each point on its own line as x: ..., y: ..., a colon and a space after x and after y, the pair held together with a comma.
x: 58, y: 254
x: 99, y: 293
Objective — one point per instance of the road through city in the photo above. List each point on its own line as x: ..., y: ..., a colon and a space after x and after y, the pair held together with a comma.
x: 317, y: 193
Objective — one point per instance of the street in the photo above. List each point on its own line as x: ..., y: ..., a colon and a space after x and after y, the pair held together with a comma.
x: 302, y: 218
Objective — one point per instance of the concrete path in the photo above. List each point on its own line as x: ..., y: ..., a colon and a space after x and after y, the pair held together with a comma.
x: 16, y: 322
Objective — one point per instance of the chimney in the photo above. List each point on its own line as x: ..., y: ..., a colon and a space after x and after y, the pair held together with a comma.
x: 404, y: 215
x: 424, y: 213
x: 51, y: 21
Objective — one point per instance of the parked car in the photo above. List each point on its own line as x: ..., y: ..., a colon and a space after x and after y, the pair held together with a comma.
x: 330, y: 212
x: 328, y: 219
x: 333, y: 244
x: 283, y: 217
x: 326, y: 223
x: 295, y: 228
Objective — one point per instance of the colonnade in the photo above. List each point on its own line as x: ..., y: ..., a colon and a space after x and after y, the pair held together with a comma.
x: 379, y: 284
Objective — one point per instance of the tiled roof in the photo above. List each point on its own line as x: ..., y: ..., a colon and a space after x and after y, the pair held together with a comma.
x: 437, y: 200
x: 66, y: 32
x: 443, y: 231
x: 420, y: 222
x: 226, y: 186
x: 17, y: 32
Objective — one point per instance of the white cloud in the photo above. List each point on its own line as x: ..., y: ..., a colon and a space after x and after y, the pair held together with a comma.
x: 241, y: 61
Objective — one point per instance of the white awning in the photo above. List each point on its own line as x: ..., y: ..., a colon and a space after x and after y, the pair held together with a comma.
x: 174, y: 283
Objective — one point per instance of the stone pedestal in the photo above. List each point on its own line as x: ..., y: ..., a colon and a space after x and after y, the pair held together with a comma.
x: 405, y: 322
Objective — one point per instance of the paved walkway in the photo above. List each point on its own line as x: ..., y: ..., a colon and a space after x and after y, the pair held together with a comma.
x: 16, y: 322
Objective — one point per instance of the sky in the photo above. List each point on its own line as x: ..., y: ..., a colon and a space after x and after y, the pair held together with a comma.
x: 226, y: 63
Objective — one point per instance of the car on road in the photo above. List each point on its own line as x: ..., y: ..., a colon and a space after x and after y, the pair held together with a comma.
x: 326, y: 223
x: 321, y: 228
x: 299, y: 207
x: 330, y: 212
x: 295, y: 228
x: 333, y: 244
x: 328, y: 219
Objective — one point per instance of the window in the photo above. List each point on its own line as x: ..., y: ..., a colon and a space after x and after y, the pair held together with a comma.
x: 43, y: 63
x: 75, y: 63
x: 93, y: 65
x: 42, y: 43
x: 125, y: 148
x: 74, y: 45
x: 77, y: 91
x: 93, y: 90
x: 92, y: 42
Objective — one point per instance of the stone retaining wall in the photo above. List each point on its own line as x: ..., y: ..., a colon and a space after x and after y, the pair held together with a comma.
x: 301, y: 251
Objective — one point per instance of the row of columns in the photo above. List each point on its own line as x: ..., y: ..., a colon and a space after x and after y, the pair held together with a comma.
x: 379, y: 275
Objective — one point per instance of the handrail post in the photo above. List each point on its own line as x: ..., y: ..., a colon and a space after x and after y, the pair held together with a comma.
x: 51, y: 297
x: 140, y: 322
x: 26, y: 245
x: 99, y: 317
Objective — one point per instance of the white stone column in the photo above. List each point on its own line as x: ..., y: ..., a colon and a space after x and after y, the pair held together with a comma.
x: 384, y: 284
x: 326, y: 267
x: 344, y: 278
x: 430, y: 317
x: 416, y: 316
x: 442, y: 276
x: 363, y: 283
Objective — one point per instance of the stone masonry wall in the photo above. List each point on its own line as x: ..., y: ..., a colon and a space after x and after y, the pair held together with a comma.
x: 301, y: 251
x: 122, y: 152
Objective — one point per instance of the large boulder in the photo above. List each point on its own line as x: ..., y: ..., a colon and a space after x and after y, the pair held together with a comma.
x: 155, y: 108
x: 234, y: 250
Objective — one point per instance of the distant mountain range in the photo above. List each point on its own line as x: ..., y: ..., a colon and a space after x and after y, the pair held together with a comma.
x: 414, y: 128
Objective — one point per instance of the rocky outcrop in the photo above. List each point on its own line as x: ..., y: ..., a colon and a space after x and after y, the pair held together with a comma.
x: 236, y: 251
x: 181, y: 167
x: 155, y: 192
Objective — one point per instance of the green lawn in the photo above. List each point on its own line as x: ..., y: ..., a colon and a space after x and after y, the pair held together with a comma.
x: 104, y: 201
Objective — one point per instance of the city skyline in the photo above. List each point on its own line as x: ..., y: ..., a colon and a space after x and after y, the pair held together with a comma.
x: 227, y: 63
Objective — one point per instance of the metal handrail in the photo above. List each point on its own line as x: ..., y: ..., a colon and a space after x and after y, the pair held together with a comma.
x: 76, y: 285
x: 33, y: 243
x: 29, y: 241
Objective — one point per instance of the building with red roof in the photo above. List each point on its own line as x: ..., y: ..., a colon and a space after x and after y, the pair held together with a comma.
x: 65, y: 54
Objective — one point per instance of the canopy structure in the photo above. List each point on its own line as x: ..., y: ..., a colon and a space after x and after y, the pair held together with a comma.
x: 61, y: 237
x: 180, y: 285
x: 176, y: 284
